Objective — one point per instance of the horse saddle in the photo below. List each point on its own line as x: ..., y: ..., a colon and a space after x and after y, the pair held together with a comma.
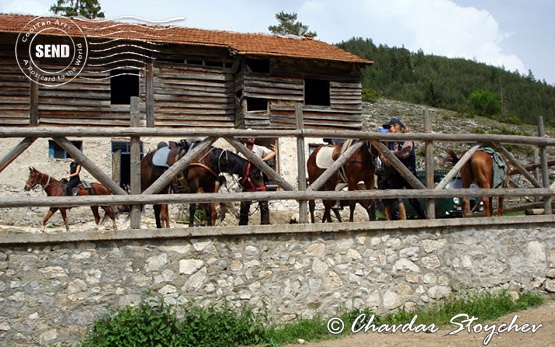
x: 73, y: 192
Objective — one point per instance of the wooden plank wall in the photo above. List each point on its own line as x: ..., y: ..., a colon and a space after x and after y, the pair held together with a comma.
x: 83, y: 101
x: 345, y: 110
x: 14, y: 91
x: 193, y: 95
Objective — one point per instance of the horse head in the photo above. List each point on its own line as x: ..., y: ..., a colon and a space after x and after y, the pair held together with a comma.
x: 34, y: 179
x: 253, y: 180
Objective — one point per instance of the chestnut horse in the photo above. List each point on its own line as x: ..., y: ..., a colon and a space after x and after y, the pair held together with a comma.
x: 150, y: 173
x: 54, y: 187
x: 203, y: 175
x: 478, y: 170
x: 360, y: 167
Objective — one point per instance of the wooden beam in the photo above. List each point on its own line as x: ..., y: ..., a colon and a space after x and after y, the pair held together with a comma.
x: 430, y: 174
x: 240, y: 147
x: 518, y: 166
x: 301, y: 163
x: 135, y: 164
x: 325, y: 176
x: 89, y: 165
x: 544, y: 166
x: 268, y: 195
x: 16, y: 152
x: 34, y: 103
x: 463, y: 160
x: 398, y: 165
x: 149, y: 97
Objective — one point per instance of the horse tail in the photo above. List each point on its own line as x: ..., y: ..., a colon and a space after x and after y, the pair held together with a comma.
x: 452, y: 158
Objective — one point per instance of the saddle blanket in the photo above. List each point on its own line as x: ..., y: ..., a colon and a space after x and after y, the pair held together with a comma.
x: 160, y: 157
x: 499, y: 167
x: 324, y: 157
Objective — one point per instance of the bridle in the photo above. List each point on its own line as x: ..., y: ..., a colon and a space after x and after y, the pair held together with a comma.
x: 247, y: 183
x: 38, y: 181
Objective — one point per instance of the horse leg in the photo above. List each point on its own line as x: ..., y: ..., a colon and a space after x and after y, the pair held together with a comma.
x: 352, y: 207
x: 108, y: 211
x: 192, y: 211
x: 96, y: 215
x: 500, y: 206
x: 157, y: 209
x: 311, y: 206
x: 64, y: 216
x: 165, y: 215
x: 47, y: 216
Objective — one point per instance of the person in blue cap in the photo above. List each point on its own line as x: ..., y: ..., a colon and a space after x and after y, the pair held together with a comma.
x: 404, y: 151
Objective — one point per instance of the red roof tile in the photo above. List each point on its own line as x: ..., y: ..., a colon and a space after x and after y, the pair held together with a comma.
x: 242, y: 43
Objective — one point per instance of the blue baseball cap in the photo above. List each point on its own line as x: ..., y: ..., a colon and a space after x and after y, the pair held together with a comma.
x: 393, y: 121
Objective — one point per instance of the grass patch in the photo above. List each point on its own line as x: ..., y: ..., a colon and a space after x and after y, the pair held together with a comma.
x: 153, y: 323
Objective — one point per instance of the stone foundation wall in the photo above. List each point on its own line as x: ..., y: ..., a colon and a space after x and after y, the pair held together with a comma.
x: 52, y: 292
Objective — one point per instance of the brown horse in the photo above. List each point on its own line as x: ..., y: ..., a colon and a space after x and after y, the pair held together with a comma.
x: 54, y: 187
x: 478, y: 170
x: 359, y: 168
x: 150, y: 173
x: 203, y: 175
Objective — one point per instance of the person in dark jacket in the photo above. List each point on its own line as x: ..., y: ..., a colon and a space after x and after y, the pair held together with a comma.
x: 73, y: 177
x: 404, y: 151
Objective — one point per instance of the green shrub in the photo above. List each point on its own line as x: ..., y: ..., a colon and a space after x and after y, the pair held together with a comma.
x: 370, y: 95
x: 151, y: 323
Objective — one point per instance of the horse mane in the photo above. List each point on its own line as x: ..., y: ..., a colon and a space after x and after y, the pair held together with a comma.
x: 452, y: 158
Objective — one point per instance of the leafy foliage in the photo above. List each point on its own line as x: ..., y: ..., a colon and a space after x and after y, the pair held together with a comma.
x: 448, y: 83
x: 288, y: 25
x: 72, y: 8
x: 485, y: 103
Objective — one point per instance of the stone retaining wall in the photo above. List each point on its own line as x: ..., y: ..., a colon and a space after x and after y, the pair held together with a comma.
x: 53, y: 291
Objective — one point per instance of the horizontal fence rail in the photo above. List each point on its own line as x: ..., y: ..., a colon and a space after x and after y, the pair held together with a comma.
x: 266, y: 196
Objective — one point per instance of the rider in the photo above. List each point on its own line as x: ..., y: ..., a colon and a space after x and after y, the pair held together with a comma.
x: 73, y: 177
x: 404, y: 151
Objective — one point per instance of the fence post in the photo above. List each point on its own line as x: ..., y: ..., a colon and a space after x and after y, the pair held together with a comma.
x: 301, y: 162
x: 544, y: 164
x: 135, y: 165
x: 430, y: 175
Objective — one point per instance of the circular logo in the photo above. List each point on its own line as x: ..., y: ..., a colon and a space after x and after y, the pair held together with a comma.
x: 51, y: 51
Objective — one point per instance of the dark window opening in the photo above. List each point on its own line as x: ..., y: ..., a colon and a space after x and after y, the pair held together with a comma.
x: 122, y: 150
x: 123, y: 85
x: 57, y: 152
x: 317, y: 92
x: 259, y: 65
x: 257, y: 104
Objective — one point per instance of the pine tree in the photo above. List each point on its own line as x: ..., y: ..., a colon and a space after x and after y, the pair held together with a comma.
x: 72, y: 8
x: 288, y: 25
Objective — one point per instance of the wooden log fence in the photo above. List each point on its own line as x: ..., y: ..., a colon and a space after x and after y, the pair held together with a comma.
x: 543, y: 189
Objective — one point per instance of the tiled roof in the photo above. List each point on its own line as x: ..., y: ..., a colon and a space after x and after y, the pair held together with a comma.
x: 241, y: 43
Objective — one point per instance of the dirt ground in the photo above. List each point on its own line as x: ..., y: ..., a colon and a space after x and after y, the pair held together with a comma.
x: 544, y: 336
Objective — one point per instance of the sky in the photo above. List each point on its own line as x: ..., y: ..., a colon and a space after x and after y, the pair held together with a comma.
x: 518, y: 35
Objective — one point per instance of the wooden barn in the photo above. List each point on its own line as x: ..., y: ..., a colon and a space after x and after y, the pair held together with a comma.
x: 185, y: 77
